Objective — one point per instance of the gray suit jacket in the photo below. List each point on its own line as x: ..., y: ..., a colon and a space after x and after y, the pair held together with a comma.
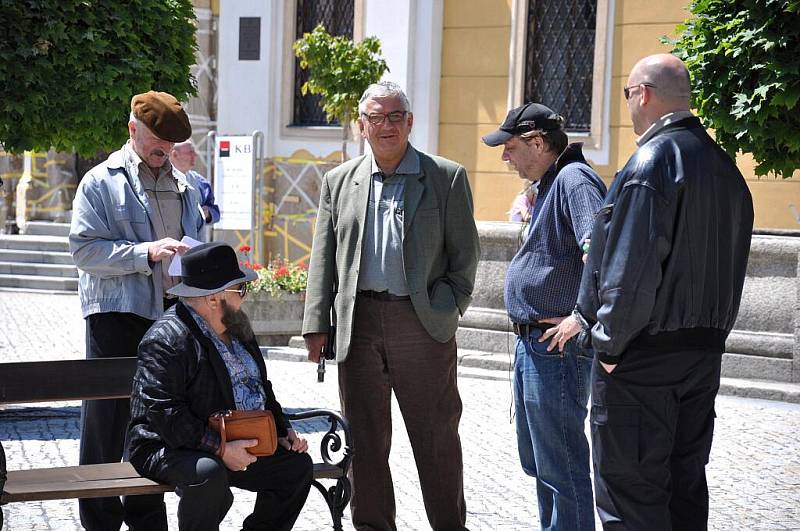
x: 440, y: 247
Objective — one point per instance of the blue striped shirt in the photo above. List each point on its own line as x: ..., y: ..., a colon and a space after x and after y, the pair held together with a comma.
x: 544, y: 276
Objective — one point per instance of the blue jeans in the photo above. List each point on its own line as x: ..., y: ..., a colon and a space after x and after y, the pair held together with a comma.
x: 551, y: 393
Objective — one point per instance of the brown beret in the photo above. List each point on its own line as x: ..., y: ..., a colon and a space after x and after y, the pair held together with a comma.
x: 163, y: 115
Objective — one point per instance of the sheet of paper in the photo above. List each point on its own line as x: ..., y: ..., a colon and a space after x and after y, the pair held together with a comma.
x: 175, y: 265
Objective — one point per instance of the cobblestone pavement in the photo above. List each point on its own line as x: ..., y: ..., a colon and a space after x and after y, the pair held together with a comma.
x: 754, y: 473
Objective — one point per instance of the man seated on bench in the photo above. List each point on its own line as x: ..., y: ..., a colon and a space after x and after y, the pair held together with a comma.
x: 200, y: 358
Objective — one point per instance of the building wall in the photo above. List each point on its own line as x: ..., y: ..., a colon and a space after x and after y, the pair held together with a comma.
x: 474, y: 99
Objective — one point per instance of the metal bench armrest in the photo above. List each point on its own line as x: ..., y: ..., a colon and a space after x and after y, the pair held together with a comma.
x: 331, y: 441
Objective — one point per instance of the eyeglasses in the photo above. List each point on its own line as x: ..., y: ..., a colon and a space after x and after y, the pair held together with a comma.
x: 627, y: 90
x: 378, y: 118
x: 242, y: 290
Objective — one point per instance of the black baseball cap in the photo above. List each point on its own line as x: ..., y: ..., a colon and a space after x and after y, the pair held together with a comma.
x: 523, y: 119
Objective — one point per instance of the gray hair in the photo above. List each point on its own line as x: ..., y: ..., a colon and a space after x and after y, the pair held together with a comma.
x: 187, y: 142
x: 555, y: 140
x: 383, y: 89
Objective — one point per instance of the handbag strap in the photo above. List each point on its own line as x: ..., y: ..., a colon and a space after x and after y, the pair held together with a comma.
x: 221, y: 435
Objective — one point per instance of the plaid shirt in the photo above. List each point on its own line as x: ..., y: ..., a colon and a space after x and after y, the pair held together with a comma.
x: 543, y: 278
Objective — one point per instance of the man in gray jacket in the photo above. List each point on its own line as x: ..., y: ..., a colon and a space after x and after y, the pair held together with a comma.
x: 129, y: 215
x: 659, y: 294
x: 394, y: 255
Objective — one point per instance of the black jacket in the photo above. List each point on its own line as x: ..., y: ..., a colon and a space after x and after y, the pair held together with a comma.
x: 180, y: 380
x: 669, y: 248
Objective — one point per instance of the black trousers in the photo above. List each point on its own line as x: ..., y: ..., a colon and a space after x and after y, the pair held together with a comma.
x: 282, y: 482
x: 652, y: 422
x: 104, y: 424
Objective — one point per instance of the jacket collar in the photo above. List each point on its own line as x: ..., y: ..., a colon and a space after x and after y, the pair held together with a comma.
x: 116, y: 161
x: 572, y: 153
x: 668, y: 121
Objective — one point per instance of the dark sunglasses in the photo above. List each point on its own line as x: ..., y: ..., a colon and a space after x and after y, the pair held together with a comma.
x: 627, y: 90
x: 241, y: 290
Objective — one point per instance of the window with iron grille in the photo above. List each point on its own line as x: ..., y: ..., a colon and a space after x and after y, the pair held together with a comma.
x: 559, y: 58
x: 337, y: 17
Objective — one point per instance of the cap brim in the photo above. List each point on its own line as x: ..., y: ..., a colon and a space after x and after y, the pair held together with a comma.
x: 497, y: 138
x: 182, y: 290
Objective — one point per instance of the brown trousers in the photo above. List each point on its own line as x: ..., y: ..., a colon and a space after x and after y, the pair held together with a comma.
x: 391, y: 351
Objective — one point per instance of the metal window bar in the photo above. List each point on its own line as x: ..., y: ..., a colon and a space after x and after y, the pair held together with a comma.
x: 337, y: 17
x: 559, y: 58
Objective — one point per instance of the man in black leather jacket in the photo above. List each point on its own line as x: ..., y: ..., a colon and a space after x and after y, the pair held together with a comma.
x: 198, y: 359
x: 659, y: 295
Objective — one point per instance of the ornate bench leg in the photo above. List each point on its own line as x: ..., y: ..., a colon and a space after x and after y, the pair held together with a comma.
x: 337, y: 498
x: 340, y: 495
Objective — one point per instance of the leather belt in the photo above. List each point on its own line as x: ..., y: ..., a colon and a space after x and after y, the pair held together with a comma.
x: 383, y: 296
x: 525, y: 329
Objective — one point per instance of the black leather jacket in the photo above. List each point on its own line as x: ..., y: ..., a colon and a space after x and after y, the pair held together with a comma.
x: 669, y: 248
x: 180, y: 380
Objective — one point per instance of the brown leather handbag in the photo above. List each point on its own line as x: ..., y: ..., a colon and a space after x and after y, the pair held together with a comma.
x: 235, y: 425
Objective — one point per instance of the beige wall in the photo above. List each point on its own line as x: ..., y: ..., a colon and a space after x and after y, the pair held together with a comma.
x: 474, y: 96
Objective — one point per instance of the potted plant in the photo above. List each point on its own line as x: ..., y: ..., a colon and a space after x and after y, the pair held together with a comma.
x: 275, y: 299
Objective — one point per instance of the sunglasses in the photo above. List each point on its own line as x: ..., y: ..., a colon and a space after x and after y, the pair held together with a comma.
x: 241, y: 290
x: 627, y: 90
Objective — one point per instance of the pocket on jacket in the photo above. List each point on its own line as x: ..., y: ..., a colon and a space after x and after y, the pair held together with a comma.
x: 130, y: 213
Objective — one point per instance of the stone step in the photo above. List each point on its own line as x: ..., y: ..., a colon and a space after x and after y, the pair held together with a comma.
x: 41, y: 257
x: 496, y: 366
x: 760, y: 355
x: 485, y: 339
x: 40, y: 269
x: 38, y: 283
x: 47, y: 228
x: 34, y: 243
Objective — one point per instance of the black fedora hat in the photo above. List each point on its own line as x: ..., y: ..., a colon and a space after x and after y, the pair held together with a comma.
x: 210, y: 268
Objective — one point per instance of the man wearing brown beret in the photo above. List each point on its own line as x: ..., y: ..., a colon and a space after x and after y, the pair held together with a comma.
x: 128, y: 217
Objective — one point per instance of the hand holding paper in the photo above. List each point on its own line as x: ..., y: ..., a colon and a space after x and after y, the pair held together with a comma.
x: 175, y: 266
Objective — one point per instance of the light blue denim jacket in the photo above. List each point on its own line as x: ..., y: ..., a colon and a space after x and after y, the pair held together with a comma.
x: 109, y: 239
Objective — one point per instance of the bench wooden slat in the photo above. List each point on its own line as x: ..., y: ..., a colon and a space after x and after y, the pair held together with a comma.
x: 326, y: 471
x: 48, y: 381
x: 87, y: 481
x: 97, y: 481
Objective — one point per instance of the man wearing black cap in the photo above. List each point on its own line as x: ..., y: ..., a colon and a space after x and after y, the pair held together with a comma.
x: 551, y: 371
x: 200, y: 358
x: 128, y: 217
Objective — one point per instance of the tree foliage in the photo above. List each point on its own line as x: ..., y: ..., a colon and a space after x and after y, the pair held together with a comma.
x: 68, y: 68
x: 743, y: 59
x: 339, y: 70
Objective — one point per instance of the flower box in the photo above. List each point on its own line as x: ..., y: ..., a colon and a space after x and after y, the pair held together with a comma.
x: 275, y: 319
x: 276, y: 299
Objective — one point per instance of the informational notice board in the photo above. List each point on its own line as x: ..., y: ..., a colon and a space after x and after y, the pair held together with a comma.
x: 233, y: 183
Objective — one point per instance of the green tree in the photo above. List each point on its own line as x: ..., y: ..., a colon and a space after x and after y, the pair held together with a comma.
x: 68, y: 68
x: 743, y: 59
x: 339, y: 71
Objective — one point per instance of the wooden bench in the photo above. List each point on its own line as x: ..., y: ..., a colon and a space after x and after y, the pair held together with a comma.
x: 108, y: 378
